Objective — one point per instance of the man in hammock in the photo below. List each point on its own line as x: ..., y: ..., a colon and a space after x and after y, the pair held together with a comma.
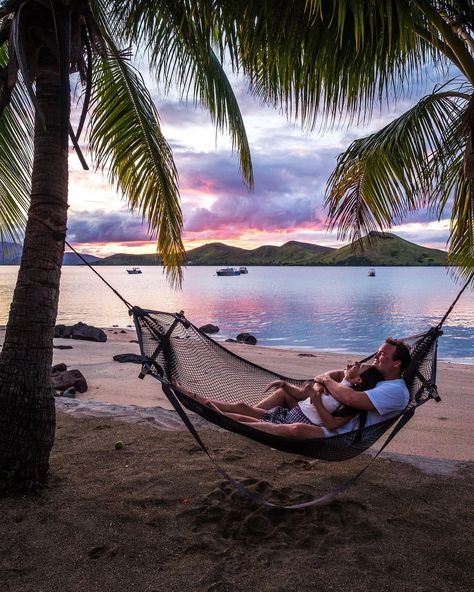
x: 386, y: 399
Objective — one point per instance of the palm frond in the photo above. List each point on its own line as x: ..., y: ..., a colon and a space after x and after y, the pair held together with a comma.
x: 16, y: 161
x: 126, y: 138
x: 397, y: 169
x: 177, y: 37
x: 461, y: 240
x: 333, y: 59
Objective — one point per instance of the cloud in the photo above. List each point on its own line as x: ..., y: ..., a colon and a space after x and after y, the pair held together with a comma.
x: 99, y: 226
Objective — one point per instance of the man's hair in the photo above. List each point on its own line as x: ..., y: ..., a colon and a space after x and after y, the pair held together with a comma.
x: 402, y: 352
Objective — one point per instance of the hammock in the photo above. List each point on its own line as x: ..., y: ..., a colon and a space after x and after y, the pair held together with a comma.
x: 173, y: 348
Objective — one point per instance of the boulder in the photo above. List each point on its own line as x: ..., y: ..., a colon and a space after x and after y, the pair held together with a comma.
x: 87, y: 333
x: 79, y: 331
x: 230, y: 340
x: 246, y: 338
x: 209, y: 328
x: 62, y: 381
x: 123, y: 358
x: 62, y: 331
x: 58, y: 368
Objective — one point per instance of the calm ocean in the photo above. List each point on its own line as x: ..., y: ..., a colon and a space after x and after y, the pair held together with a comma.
x: 321, y: 308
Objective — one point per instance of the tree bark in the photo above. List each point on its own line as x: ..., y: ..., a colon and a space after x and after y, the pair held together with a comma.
x: 27, y: 414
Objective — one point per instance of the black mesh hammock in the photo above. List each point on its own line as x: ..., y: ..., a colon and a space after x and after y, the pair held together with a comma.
x: 172, y: 347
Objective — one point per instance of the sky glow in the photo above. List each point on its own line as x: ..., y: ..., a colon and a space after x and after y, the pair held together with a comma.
x: 291, y: 168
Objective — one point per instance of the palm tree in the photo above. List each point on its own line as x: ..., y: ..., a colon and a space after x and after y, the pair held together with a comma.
x: 43, y: 42
x: 337, y: 60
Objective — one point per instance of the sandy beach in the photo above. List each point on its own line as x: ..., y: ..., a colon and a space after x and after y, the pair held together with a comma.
x: 155, y: 515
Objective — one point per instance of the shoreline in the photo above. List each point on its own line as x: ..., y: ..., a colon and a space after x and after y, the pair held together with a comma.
x: 439, y: 431
x: 155, y: 514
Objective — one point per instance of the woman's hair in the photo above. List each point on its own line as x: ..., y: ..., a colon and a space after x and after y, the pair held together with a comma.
x: 370, y: 378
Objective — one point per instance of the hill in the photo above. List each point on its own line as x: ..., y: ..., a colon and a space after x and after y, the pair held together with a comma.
x: 132, y: 260
x: 379, y: 248
x: 73, y: 259
x: 291, y: 253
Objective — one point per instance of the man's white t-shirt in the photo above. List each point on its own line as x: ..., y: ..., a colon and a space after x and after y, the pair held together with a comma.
x: 389, y: 397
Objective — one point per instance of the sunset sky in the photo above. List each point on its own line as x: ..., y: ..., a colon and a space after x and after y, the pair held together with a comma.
x: 291, y: 168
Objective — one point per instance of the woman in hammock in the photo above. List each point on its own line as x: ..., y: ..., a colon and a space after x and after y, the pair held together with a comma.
x: 308, y: 406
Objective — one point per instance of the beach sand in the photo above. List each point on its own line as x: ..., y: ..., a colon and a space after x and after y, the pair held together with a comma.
x: 155, y: 515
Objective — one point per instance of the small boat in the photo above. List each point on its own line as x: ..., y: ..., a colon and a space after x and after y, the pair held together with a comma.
x: 371, y: 273
x: 243, y: 269
x: 134, y: 270
x: 228, y: 271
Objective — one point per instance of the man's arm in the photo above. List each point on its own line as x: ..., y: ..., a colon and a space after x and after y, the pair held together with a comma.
x: 347, y: 395
x: 336, y: 375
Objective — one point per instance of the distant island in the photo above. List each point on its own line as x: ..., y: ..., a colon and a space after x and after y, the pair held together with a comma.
x: 377, y: 248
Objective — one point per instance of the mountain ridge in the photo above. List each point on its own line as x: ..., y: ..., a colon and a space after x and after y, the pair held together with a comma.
x: 376, y: 248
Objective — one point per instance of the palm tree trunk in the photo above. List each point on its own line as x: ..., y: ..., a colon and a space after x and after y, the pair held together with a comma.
x: 27, y: 414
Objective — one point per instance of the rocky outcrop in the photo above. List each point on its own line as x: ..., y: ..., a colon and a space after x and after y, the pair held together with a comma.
x: 209, y: 328
x: 123, y: 358
x: 65, y: 380
x: 246, y: 338
x: 80, y: 331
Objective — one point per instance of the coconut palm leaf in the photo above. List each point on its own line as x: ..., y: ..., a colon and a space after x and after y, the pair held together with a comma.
x: 397, y: 169
x: 125, y: 138
x: 177, y: 37
x: 333, y: 59
x: 16, y: 158
x: 461, y: 253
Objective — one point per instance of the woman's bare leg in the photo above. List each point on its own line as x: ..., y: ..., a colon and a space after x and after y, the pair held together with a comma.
x: 282, y: 397
x: 240, y: 408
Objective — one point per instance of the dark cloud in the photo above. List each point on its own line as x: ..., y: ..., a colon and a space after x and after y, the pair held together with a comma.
x: 102, y: 227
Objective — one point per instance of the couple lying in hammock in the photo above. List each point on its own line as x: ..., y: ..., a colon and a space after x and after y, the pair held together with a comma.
x: 314, y: 411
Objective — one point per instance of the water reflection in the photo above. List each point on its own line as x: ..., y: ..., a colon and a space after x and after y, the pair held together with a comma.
x: 338, y: 309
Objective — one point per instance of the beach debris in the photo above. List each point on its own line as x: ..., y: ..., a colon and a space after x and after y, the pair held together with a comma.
x: 123, y: 331
x: 80, y: 331
x: 63, y: 347
x: 209, y: 328
x: 305, y: 355
x: 58, y: 368
x: 230, y: 340
x: 63, y: 380
x: 133, y: 341
x: 132, y: 358
x: 119, y: 445
x: 246, y: 338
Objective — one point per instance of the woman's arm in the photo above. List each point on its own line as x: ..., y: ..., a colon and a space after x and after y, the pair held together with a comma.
x: 347, y: 395
x: 330, y: 422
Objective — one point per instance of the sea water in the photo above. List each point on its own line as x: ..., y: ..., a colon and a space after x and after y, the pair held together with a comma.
x: 338, y: 309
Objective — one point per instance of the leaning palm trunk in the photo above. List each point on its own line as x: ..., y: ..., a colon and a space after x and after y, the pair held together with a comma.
x: 27, y: 415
